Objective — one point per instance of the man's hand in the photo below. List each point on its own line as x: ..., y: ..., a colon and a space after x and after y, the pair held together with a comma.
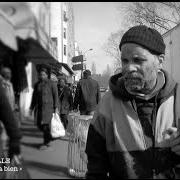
x: 172, y: 141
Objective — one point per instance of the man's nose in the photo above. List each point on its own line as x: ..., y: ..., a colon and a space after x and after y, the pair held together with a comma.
x: 131, y: 67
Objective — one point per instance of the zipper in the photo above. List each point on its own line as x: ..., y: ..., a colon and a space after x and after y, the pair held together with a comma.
x: 139, y: 123
x: 154, y: 134
x: 153, y: 129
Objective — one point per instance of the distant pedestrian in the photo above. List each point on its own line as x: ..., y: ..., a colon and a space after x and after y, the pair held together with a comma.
x: 9, y: 92
x: 7, y: 85
x: 87, y: 94
x: 8, y: 121
x: 44, y: 103
x: 65, y: 101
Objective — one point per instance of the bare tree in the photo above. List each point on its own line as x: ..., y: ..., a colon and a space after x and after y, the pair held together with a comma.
x: 111, y: 47
x: 159, y: 15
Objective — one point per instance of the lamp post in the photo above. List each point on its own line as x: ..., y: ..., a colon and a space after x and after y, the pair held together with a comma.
x: 84, y: 60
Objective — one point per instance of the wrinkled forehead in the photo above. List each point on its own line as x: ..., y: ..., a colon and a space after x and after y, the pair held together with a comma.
x: 43, y: 73
x: 132, y: 49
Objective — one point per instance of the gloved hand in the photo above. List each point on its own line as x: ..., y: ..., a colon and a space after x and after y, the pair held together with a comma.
x: 172, y: 140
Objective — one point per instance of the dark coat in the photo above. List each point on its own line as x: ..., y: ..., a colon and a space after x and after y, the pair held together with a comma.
x: 118, y: 145
x: 65, y: 100
x: 44, y: 101
x: 87, y: 95
x: 9, y: 122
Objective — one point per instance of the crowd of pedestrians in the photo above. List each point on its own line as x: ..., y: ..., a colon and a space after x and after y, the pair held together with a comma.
x: 53, y: 95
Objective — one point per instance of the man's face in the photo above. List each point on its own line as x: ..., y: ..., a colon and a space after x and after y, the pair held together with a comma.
x: 139, y: 68
x: 62, y: 82
x: 43, y: 75
x: 6, y: 73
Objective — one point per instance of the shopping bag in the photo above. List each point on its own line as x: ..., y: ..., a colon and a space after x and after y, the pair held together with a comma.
x: 57, y: 128
x: 16, y: 169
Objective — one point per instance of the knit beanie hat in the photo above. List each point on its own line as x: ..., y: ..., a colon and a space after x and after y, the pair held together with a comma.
x: 145, y: 36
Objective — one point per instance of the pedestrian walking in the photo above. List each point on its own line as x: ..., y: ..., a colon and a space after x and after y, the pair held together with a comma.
x: 135, y: 129
x: 8, y: 121
x: 44, y: 103
x: 7, y: 85
x: 87, y: 94
x: 65, y: 101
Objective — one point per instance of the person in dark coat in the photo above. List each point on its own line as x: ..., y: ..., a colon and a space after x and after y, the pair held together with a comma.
x: 87, y: 94
x: 65, y: 101
x: 8, y: 120
x: 44, y: 103
x: 135, y: 132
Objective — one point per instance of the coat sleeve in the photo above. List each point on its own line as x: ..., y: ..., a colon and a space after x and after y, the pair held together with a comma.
x: 34, y: 98
x: 98, y: 163
x: 77, y: 97
x: 98, y: 94
x: 70, y: 99
x: 55, y: 95
x: 10, y: 124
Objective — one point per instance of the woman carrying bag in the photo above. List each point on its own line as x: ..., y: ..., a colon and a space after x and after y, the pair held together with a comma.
x: 44, y: 103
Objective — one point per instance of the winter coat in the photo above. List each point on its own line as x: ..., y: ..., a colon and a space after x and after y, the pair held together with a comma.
x: 7, y: 118
x: 118, y: 147
x: 65, y: 100
x: 87, y: 95
x: 7, y: 85
x: 44, y: 101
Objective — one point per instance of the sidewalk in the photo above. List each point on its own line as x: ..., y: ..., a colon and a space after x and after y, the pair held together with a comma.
x: 43, y: 164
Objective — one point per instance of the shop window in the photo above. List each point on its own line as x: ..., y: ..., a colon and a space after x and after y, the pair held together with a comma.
x: 64, y: 50
x: 64, y: 33
x: 65, y: 16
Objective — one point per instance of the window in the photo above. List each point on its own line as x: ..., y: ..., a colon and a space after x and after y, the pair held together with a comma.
x: 65, y: 16
x: 65, y: 50
x: 64, y: 33
x: 54, y: 39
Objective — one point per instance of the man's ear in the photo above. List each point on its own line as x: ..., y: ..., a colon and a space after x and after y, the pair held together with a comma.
x: 161, y: 61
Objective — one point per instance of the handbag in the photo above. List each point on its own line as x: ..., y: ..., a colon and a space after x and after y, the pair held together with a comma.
x: 16, y: 169
x: 56, y: 127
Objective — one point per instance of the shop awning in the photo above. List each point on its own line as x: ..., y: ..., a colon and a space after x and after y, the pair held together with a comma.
x: 58, y: 67
x: 67, y: 68
x: 27, y: 23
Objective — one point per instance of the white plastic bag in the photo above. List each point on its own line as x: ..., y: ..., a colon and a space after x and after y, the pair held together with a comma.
x: 57, y: 128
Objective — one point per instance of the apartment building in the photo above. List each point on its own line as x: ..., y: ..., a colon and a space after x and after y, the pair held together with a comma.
x: 62, y: 34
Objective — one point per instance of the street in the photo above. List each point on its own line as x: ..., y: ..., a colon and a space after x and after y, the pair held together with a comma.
x: 43, y: 164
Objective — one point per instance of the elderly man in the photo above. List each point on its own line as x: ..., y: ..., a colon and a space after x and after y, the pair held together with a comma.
x: 134, y: 132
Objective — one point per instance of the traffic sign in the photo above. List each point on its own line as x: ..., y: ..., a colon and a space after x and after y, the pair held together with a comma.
x: 77, y: 67
x: 77, y: 59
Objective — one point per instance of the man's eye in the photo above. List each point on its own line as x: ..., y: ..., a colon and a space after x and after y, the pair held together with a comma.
x: 125, y: 61
x: 139, y: 60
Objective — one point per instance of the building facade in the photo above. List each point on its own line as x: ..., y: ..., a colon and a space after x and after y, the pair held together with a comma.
x: 62, y: 33
x: 77, y: 53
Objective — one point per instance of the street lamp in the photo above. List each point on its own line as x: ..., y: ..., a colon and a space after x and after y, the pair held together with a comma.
x: 84, y: 60
x: 87, y: 51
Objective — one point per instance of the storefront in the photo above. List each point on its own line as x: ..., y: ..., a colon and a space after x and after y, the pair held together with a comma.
x: 25, y: 33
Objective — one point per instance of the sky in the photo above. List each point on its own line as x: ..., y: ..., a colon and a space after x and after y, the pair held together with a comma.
x: 94, y: 22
